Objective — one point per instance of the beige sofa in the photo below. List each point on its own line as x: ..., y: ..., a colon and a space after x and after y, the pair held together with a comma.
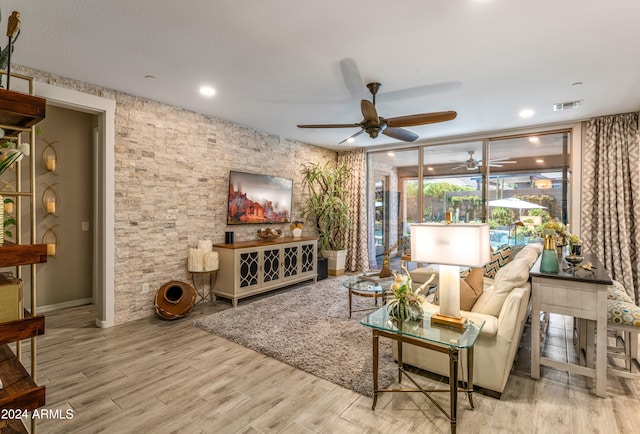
x: 504, y: 306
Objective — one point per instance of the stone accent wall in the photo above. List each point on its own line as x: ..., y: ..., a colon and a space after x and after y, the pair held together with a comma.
x: 171, y: 171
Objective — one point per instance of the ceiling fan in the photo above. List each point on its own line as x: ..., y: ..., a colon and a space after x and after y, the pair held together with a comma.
x: 473, y: 164
x: 373, y: 124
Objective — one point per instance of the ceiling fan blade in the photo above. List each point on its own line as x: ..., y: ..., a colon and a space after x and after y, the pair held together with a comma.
x: 400, y: 134
x: 419, y: 91
x: 352, y: 78
x: 352, y: 136
x: 369, y: 112
x: 329, y: 126
x: 421, y: 119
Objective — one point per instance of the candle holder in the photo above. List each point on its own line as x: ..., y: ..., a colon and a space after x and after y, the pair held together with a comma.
x: 50, y: 200
x: 50, y: 157
x: 50, y: 238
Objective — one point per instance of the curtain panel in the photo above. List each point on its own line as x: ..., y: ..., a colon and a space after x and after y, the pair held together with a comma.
x: 610, y: 214
x: 356, y: 236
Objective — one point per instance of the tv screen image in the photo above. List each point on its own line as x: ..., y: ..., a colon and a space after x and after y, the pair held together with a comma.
x: 258, y: 199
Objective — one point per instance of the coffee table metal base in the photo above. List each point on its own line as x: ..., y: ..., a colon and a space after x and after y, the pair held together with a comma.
x: 375, y: 295
x: 453, y: 373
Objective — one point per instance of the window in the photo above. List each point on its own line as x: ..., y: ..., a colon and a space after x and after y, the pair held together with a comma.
x: 471, y: 180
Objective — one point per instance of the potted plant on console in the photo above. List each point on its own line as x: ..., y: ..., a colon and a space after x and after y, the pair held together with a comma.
x: 326, y: 205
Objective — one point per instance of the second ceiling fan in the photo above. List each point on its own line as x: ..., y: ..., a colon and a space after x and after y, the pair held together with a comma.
x: 373, y: 124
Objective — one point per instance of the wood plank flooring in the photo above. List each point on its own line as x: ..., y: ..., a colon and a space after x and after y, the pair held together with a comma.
x: 155, y: 376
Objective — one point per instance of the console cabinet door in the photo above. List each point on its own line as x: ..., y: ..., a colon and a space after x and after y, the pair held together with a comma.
x: 290, y: 261
x: 308, y: 258
x: 248, y: 271
x: 271, y: 265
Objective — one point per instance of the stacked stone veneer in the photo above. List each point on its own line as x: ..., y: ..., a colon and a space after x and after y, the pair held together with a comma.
x: 171, y: 186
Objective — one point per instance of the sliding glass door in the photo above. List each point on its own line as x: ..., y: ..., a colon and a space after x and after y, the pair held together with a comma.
x: 514, y: 183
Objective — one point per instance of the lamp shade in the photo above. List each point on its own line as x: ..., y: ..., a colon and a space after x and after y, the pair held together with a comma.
x: 464, y: 244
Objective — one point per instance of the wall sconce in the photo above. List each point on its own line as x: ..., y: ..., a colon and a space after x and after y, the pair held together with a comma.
x: 50, y: 238
x: 50, y: 157
x: 50, y: 200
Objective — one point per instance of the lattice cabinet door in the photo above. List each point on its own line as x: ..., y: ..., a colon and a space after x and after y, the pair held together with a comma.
x: 291, y: 261
x: 249, y: 268
x: 307, y: 257
x: 271, y: 265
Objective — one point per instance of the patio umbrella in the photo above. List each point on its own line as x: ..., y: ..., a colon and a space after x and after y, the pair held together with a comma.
x: 512, y: 202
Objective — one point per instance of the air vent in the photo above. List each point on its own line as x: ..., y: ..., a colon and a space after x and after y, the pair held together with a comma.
x: 567, y: 105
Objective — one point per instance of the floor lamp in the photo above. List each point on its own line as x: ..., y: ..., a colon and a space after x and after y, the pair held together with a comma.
x: 451, y: 246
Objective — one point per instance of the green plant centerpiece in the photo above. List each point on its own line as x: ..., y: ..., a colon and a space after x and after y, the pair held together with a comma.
x: 405, y: 305
x: 327, y: 207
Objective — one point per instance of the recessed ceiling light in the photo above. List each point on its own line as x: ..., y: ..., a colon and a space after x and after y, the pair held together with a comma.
x: 526, y: 113
x: 567, y: 105
x: 539, y: 160
x: 391, y: 154
x: 207, y: 91
x: 351, y: 140
x: 150, y: 77
x: 577, y: 83
x: 430, y: 169
x: 534, y: 139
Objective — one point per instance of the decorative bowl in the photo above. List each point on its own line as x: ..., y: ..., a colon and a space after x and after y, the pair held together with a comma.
x: 269, y: 234
x: 573, y: 259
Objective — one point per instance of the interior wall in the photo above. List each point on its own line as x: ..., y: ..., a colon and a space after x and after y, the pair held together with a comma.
x: 171, y: 184
x: 67, y: 277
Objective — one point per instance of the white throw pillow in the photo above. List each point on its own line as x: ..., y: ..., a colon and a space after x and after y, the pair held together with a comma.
x: 514, y: 274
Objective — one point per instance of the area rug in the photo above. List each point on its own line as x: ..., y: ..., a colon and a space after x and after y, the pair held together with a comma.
x: 308, y: 327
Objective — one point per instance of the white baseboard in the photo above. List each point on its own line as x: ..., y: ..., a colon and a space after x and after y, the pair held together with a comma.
x: 65, y: 305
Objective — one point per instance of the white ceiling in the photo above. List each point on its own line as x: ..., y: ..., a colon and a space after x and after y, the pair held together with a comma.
x: 276, y: 63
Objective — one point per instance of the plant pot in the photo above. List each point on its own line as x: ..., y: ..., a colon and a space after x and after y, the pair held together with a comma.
x: 337, y: 260
x: 296, y: 232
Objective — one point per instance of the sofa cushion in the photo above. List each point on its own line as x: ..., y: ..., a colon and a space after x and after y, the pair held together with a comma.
x: 489, y: 329
x: 471, y: 288
x: 515, y: 274
x: 499, y: 258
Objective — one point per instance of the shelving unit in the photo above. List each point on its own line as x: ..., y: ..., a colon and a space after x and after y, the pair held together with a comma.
x: 19, y: 113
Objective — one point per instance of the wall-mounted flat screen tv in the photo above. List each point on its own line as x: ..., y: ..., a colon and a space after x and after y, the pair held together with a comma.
x: 258, y: 199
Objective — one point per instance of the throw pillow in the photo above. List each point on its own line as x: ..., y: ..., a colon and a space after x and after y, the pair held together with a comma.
x: 512, y: 276
x: 470, y: 289
x: 499, y: 258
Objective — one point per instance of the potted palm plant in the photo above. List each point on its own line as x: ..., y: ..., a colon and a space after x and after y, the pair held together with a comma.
x: 326, y: 205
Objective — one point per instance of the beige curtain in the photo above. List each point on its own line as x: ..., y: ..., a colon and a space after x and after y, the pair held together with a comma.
x: 610, y: 213
x: 356, y: 236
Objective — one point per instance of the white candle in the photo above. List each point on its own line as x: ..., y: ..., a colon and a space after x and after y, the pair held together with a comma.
x: 51, y: 249
x: 211, y: 261
x: 195, y: 261
x: 51, y: 164
x: 205, y: 245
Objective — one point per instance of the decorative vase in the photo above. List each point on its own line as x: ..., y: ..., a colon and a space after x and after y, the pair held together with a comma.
x: 549, y: 261
x: 576, y: 249
x: 296, y: 232
x: 386, y: 271
x: 401, y: 310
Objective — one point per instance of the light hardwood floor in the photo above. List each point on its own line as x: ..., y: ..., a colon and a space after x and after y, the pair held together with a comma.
x: 155, y: 376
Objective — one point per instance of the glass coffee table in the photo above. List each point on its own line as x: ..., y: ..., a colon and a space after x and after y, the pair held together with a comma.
x: 368, y: 286
x: 438, y: 338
